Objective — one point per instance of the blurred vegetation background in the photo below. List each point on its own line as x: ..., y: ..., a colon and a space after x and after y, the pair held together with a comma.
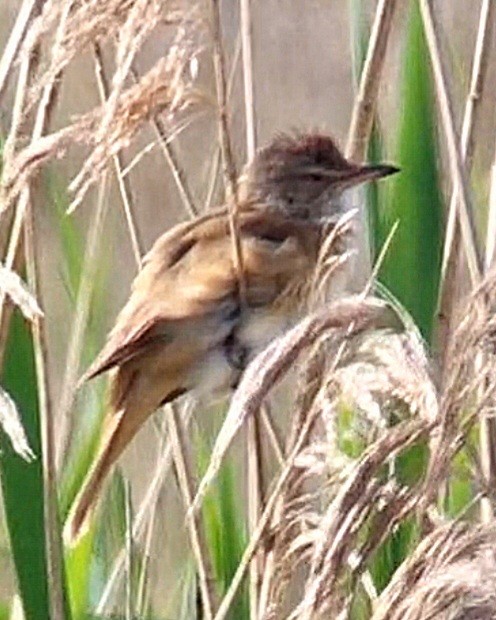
x: 308, y: 57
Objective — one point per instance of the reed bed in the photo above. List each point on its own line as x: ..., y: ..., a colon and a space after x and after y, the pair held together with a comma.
x: 352, y: 473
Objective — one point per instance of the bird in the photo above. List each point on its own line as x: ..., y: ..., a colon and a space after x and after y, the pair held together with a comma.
x: 186, y: 327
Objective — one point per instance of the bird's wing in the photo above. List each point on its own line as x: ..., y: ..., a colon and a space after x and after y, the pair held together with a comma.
x: 190, y: 274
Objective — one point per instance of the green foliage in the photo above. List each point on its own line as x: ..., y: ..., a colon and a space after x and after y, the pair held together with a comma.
x: 392, y: 553
x: 84, y: 441
x: 460, y: 489
x: 78, y: 564
x: 225, y: 531
x: 350, y: 441
x: 22, y: 483
x: 411, y: 266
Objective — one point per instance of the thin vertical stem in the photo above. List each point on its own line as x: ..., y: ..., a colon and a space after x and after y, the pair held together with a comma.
x: 143, y: 591
x: 122, y: 181
x: 145, y: 511
x: 266, y: 516
x: 170, y: 157
x: 198, y: 546
x: 129, y: 551
x: 25, y: 71
x: 255, y: 504
x: 26, y: 12
x: 465, y: 212
x: 220, y: 83
x: 274, y: 439
x: 487, y: 439
x: 451, y: 263
x: 230, y: 177
x: 215, y: 165
x: 362, y: 117
x: 177, y: 172
x: 81, y: 314
x: 491, y: 220
x: 254, y: 446
x: 247, y: 49
x: 365, y: 101
x: 51, y: 518
x: 472, y: 105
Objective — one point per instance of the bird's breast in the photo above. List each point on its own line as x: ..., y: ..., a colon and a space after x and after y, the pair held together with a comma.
x: 260, y: 326
x: 220, y: 370
x: 272, y: 306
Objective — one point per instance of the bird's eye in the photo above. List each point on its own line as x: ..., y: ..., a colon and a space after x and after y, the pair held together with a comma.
x: 316, y: 177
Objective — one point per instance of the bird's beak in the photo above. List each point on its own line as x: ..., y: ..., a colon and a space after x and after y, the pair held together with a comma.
x: 356, y: 175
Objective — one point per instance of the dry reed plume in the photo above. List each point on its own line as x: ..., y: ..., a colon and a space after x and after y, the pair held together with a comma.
x: 450, y: 575
x: 166, y: 90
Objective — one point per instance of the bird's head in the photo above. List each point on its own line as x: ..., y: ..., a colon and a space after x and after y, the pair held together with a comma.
x: 304, y: 175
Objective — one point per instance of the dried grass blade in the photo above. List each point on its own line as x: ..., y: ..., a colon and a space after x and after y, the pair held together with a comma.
x: 491, y: 219
x: 488, y: 424
x: 10, y: 421
x: 216, y: 156
x: 477, y: 83
x: 129, y: 545
x: 25, y: 14
x: 12, y: 285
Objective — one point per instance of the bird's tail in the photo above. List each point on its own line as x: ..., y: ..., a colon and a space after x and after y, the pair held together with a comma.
x: 132, y: 400
x: 121, y: 427
x: 114, y: 440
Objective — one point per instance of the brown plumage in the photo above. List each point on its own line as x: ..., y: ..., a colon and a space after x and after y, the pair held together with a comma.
x: 184, y: 328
